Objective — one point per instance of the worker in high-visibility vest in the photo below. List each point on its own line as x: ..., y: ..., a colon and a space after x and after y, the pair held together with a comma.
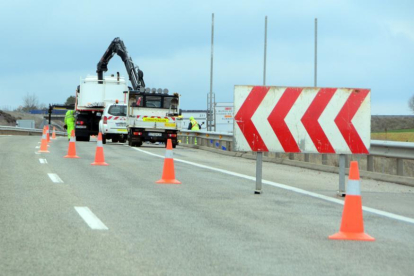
x: 70, y: 121
x: 194, y: 126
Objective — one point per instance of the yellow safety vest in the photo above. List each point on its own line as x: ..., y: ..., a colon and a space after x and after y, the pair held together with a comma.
x: 194, y: 125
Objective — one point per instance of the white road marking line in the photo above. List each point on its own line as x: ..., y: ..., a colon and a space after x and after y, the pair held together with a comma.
x: 37, y: 147
x: 90, y: 218
x: 289, y: 188
x: 43, y: 161
x: 55, y: 178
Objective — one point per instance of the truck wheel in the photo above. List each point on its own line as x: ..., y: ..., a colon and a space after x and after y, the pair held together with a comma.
x: 115, y: 139
x: 139, y: 144
x: 87, y: 139
x: 174, y: 145
x: 103, y: 139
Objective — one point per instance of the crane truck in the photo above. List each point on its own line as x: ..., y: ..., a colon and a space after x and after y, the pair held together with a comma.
x: 96, y: 92
x: 152, y: 114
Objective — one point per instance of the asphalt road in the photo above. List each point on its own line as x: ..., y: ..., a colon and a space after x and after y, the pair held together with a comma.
x: 211, y: 224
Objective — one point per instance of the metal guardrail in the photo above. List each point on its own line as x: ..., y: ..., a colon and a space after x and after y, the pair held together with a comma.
x: 402, y: 152
x: 10, y: 130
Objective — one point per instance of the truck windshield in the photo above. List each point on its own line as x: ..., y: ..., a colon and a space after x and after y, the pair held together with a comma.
x: 118, y: 110
x: 153, y: 101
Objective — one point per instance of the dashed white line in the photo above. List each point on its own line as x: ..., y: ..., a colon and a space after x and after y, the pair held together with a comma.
x: 37, y: 147
x: 55, y: 178
x: 90, y: 218
x: 42, y: 161
x: 286, y: 187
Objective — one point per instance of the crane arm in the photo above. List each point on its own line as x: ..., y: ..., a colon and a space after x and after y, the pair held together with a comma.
x: 117, y: 46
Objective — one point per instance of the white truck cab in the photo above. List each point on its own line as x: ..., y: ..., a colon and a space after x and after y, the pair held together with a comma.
x: 113, y: 123
x: 153, y: 116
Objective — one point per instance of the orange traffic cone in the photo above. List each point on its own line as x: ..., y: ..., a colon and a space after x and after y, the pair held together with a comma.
x: 43, y: 143
x: 47, y: 134
x: 352, y: 225
x: 72, y: 146
x: 168, y: 175
x: 54, y: 133
x: 99, y: 155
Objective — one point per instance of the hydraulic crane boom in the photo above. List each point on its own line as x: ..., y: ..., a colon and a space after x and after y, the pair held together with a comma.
x: 136, y: 76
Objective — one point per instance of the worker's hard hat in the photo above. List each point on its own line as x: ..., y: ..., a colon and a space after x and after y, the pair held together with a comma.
x: 191, y: 118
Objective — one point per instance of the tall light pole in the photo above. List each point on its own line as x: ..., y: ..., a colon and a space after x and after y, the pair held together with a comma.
x: 265, y: 50
x: 259, y: 154
x: 316, y: 52
x: 210, y: 110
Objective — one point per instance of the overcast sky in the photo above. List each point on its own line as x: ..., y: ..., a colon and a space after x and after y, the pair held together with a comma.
x: 47, y: 46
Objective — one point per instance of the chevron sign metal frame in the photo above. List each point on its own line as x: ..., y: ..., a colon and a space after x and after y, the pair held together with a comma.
x: 302, y: 119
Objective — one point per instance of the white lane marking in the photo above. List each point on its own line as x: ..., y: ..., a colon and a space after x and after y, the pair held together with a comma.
x: 90, y: 218
x: 43, y: 161
x: 55, y: 178
x: 37, y: 147
x: 289, y: 188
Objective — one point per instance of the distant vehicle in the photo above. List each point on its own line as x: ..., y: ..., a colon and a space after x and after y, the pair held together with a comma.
x: 153, y: 116
x: 25, y: 123
x: 113, y: 123
x: 95, y: 92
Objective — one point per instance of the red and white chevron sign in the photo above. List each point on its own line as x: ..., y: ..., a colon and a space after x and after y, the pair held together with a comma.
x: 302, y: 119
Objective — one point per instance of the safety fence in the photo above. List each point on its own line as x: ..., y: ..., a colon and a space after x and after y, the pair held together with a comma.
x: 9, y: 130
x: 387, y: 161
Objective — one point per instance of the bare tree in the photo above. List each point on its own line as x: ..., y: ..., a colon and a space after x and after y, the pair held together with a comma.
x: 42, y: 106
x: 411, y: 103
x: 30, y: 102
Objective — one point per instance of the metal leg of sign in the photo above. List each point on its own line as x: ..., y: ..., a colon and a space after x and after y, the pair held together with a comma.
x: 341, y: 190
x: 258, y: 190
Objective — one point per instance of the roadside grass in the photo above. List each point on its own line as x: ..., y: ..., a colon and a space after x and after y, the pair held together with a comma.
x: 402, y: 135
x: 397, y: 130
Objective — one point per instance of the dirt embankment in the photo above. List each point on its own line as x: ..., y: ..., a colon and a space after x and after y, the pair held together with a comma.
x: 9, y: 118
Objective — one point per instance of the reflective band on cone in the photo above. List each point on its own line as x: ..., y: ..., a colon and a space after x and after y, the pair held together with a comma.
x: 72, y: 146
x: 99, y: 155
x: 54, y: 133
x: 47, y: 134
x: 168, y: 174
x: 352, y: 224
x: 43, y: 143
